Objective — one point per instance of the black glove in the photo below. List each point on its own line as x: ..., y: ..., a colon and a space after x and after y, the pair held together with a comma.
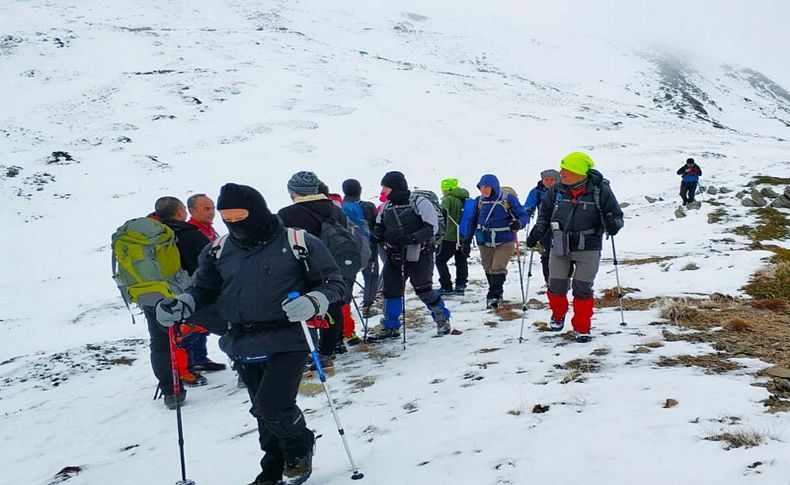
x: 514, y: 225
x: 612, y: 229
x: 612, y: 225
x: 532, y: 239
x: 466, y: 247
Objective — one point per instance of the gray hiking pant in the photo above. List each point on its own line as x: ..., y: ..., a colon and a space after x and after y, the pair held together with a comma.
x: 585, y: 264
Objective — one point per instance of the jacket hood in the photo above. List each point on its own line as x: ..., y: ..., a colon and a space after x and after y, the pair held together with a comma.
x: 177, y: 225
x: 491, y: 181
x: 459, y: 193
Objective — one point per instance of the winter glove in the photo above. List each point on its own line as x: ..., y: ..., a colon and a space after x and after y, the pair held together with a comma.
x: 171, y: 310
x: 514, y: 225
x: 306, y: 306
x: 613, y: 225
x: 532, y: 239
x: 466, y: 247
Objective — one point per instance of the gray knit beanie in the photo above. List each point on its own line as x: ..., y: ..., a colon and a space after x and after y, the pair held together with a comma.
x: 550, y: 173
x: 304, y: 183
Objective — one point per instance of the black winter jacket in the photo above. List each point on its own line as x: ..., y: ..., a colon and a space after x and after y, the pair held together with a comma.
x: 249, y: 286
x: 189, y: 241
x: 305, y: 215
x: 579, y: 216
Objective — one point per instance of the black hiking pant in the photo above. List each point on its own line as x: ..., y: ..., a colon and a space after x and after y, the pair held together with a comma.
x: 370, y: 275
x: 687, y: 191
x: 282, y: 432
x: 396, y: 271
x: 160, y: 351
x: 451, y: 249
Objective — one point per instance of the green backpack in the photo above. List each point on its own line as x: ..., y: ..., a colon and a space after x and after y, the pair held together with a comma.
x: 146, y: 264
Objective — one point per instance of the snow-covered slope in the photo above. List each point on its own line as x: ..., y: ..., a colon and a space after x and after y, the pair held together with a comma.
x: 154, y: 98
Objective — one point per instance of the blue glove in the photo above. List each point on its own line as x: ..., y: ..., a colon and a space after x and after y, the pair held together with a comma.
x: 171, y: 310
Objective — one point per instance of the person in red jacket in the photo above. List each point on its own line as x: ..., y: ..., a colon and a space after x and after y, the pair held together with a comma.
x: 201, y: 215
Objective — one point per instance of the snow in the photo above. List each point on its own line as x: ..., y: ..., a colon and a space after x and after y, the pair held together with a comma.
x: 356, y: 89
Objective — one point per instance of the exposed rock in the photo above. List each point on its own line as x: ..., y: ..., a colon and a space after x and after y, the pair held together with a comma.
x: 696, y: 205
x: 781, y: 202
x: 623, y: 205
x: 724, y: 190
x: 778, y: 371
x: 787, y: 192
x: 712, y: 190
x: 540, y: 408
x: 747, y: 202
x: 679, y: 212
x: 670, y: 403
x: 768, y: 192
x: 758, y: 198
x: 650, y: 199
x: 741, y: 194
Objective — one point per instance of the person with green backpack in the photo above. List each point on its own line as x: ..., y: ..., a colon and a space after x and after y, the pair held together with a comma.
x: 453, y: 246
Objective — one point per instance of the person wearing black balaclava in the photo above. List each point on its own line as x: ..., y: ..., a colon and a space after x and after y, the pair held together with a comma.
x: 249, y: 275
x: 407, y: 226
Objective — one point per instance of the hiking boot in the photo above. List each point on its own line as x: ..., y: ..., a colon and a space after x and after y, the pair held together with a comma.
x: 170, y: 400
x: 240, y: 382
x: 583, y: 338
x: 380, y: 332
x: 353, y: 339
x: 327, y: 362
x: 193, y: 379
x: 340, y: 348
x: 459, y: 290
x: 493, y: 303
x: 369, y: 311
x: 260, y: 480
x: 444, y: 292
x: 556, y: 325
x: 298, y: 470
x: 209, y: 366
x: 442, y: 328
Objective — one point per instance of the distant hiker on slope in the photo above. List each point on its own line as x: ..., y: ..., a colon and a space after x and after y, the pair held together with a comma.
x: 453, y: 246
x: 576, y: 213
x: 494, y: 219
x: 547, y: 180
x: 250, y: 274
x: 689, y: 177
x: 407, y: 227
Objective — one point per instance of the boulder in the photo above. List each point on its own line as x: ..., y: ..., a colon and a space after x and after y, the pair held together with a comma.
x: 747, y: 202
x: 650, y: 199
x: 712, y: 190
x: 758, y: 198
x: 781, y: 202
x: 696, y: 205
x: 724, y: 190
x: 741, y: 194
x: 768, y: 192
x: 787, y: 192
x: 623, y: 205
x: 679, y: 212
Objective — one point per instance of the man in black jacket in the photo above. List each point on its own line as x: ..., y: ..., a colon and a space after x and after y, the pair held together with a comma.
x: 577, y: 212
x: 250, y: 274
x: 689, y: 178
x: 309, y: 208
x: 171, y: 212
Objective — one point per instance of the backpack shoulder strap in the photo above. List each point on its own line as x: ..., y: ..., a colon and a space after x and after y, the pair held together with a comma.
x: 296, y: 239
x: 216, y: 247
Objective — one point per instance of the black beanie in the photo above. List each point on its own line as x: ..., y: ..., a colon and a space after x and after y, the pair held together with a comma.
x: 689, y: 160
x: 259, y: 225
x: 352, y: 189
x: 395, y: 180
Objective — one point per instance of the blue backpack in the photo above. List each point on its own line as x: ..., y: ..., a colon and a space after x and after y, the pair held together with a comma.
x: 355, y: 214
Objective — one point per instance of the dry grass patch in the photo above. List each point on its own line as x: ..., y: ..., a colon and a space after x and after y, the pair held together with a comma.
x: 742, y: 438
x: 679, y: 311
x: 712, y: 363
x: 509, y: 311
x: 577, y: 368
x: 739, y: 325
x: 650, y: 260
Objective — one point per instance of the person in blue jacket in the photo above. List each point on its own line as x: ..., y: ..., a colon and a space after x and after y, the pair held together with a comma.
x: 689, y: 177
x: 494, y: 218
x: 547, y: 180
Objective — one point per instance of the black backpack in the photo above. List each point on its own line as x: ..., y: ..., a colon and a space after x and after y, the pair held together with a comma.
x: 342, y: 245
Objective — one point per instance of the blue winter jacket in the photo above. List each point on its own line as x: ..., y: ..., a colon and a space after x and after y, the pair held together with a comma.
x: 489, y: 218
x: 534, y: 199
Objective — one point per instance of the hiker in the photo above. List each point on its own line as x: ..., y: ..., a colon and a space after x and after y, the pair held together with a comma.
x: 453, y: 246
x: 494, y: 219
x: 171, y: 212
x: 194, y: 339
x: 363, y: 214
x: 690, y: 174
x: 576, y: 213
x: 547, y: 180
x: 407, y: 227
x: 250, y: 274
x: 310, y: 207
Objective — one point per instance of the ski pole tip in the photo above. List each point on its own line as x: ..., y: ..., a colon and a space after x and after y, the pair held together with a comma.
x: 357, y: 476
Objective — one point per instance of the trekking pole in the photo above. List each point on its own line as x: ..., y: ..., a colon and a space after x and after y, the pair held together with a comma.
x: 524, y: 308
x: 619, y: 288
x: 177, y: 394
x: 403, y: 273
x: 356, y: 474
x: 364, y: 320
